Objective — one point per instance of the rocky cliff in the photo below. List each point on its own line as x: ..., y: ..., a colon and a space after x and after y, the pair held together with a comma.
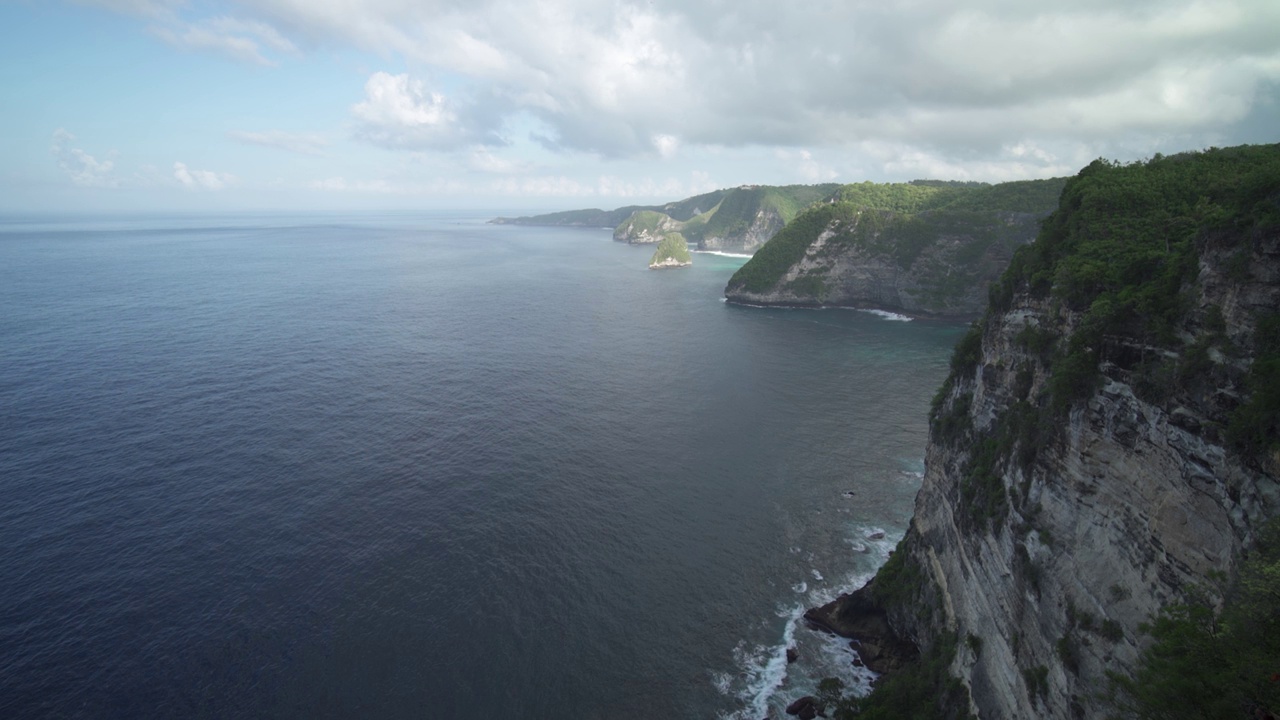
x: 737, y: 220
x: 921, y: 248
x: 1106, y: 443
x: 646, y: 227
x: 741, y: 220
x: 672, y: 252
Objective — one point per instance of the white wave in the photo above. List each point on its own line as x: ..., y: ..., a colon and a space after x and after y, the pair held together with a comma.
x: 888, y: 315
x: 722, y: 253
x: 764, y: 678
x: 764, y: 669
x: 912, y: 476
x: 816, y: 575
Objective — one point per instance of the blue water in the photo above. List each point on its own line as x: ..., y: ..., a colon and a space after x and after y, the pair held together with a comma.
x: 421, y: 466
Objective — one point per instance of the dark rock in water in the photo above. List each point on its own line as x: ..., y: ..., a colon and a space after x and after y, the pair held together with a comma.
x: 792, y: 655
x: 806, y: 708
x: 877, y: 535
x: 858, y: 617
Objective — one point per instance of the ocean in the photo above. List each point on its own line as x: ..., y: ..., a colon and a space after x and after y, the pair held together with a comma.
x: 422, y: 466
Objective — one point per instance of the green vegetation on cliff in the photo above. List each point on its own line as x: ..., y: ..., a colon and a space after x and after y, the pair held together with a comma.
x: 740, y: 206
x: 1208, y: 663
x: 738, y: 215
x: 672, y: 249
x: 923, y: 689
x: 1160, y: 274
x: 899, y: 221
x: 772, y: 261
x: 649, y: 221
x: 1123, y: 251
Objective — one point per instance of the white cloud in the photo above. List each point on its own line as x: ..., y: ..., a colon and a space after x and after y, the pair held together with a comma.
x: 627, y: 79
x: 83, y: 169
x: 666, y: 145
x: 399, y: 111
x: 240, y: 39
x: 201, y: 179
x: 614, y: 78
x: 305, y: 144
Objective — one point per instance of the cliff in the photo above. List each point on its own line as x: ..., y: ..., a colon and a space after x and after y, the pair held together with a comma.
x: 1108, y: 441
x: 736, y: 220
x: 680, y: 211
x: 644, y: 227
x: 672, y: 252
x: 926, y: 248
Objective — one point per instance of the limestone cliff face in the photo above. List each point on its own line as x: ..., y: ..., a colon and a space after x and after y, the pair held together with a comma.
x: 925, y: 247
x: 740, y: 220
x: 1105, y: 444
x: 646, y: 227
x: 1132, y: 507
x: 764, y: 225
x: 1052, y: 558
x: 948, y: 277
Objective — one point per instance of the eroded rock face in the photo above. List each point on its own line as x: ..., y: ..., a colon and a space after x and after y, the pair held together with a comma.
x: 763, y: 226
x: 949, y: 276
x: 647, y: 227
x: 858, y: 617
x: 1130, y: 504
x: 641, y: 230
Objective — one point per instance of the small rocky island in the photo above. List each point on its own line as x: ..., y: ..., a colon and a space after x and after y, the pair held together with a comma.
x: 673, y: 252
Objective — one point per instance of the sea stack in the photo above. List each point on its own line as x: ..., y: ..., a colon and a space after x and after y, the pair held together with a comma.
x: 673, y: 252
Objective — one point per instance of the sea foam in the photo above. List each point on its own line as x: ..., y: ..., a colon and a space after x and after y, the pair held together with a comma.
x: 889, y: 315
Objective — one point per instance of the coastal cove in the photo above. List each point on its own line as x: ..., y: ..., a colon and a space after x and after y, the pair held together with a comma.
x: 425, y: 465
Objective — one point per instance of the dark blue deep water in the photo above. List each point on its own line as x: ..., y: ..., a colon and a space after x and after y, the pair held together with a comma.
x: 428, y: 467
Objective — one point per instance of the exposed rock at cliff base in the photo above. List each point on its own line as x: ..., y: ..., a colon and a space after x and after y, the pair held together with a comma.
x: 857, y: 617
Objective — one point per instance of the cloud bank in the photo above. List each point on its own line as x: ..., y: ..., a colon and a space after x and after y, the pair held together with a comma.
x: 849, y: 90
x: 626, y: 79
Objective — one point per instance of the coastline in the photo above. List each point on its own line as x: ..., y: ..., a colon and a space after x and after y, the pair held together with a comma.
x: 876, y: 309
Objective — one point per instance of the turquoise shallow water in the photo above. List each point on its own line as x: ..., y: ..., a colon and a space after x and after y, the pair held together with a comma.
x: 410, y: 466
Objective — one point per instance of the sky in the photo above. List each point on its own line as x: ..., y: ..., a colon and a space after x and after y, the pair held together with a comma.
x: 186, y: 105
